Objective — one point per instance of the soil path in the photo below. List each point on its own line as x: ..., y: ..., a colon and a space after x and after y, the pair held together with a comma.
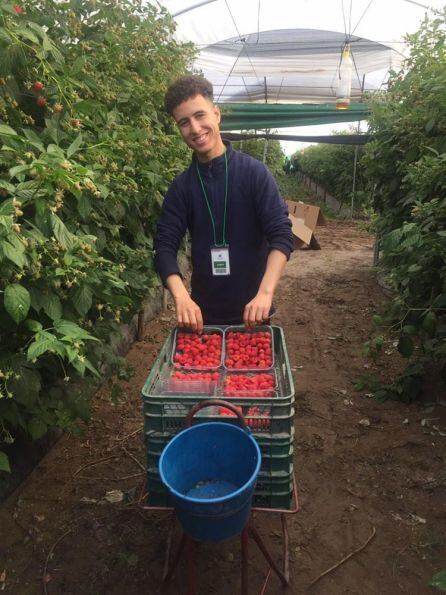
x: 384, y: 476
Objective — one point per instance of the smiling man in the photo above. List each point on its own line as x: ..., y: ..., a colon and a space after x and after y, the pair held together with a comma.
x: 229, y: 202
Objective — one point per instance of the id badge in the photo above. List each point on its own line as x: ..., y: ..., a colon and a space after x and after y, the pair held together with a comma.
x: 220, y: 261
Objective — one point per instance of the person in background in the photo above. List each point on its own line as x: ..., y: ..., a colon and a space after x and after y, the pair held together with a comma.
x: 229, y: 202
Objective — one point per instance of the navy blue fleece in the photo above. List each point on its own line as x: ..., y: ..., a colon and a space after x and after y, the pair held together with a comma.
x: 256, y: 221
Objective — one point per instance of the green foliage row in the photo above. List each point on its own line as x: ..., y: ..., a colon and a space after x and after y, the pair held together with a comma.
x: 406, y: 165
x: 86, y: 154
x: 331, y: 166
x: 275, y: 157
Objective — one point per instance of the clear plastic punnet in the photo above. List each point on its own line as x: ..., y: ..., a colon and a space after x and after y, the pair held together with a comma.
x: 186, y: 382
x: 195, y: 351
x: 249, y: 349
x: 256, y: 385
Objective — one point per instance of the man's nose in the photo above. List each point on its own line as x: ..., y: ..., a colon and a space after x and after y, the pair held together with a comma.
x: 194, y: 126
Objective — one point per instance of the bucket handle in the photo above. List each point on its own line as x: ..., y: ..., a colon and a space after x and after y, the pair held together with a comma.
x: 209, y: 403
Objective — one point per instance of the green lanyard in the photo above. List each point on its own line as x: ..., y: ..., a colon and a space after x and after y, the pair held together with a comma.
x: 209, y: 206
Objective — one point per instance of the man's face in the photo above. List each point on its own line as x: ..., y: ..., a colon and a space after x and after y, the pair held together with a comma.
x: 198, y: 120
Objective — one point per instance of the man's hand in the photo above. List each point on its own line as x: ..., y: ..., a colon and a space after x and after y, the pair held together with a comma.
x: 188, y: 312
x: 257, y: 311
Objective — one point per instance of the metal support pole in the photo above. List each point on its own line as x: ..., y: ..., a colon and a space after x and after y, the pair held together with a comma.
x: 355, y: 161
x: 285, y: 548
x: 244, y: 560
x: 254, y: 534
x: 191, y: 584
x: 265, y: 150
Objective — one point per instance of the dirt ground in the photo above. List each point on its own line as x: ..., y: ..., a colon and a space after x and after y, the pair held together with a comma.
x: 371, y: 477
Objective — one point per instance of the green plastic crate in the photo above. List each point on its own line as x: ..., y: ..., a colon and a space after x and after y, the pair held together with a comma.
x: 163, y: 362
x: 270, y: 462
x: 164, y: 416
x: 172, y: 421
x: 278, y: 444
x: 273, y: 490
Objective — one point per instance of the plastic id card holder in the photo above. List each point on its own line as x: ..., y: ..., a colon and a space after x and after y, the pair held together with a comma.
x: 220, y: 261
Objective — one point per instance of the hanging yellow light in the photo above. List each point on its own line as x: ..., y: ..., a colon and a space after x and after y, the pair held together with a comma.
x: 343, y: 90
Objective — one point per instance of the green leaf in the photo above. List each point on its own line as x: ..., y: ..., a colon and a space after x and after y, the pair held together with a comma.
x: 29, y: 35
x: 430, y: 124
x: 7, y: 130
x: 37, y: 298
x: 52, y: 306
x: 79, y: 366
x: 89, y: 106
x: 57, y: 55
x: 84, y: 206
x: 10, y: 188
x: 18, y: 169
x: 439, y: 580
x: 72, y: 330
x: 29, y: 190
x: 65, y: 238
x: 4, y: 462
x: 409, y: 329
x: 4, y: 36
x: 92, y: 369
x: 75, y: 145
x: 42, y: 343
x: 78, y: 64
x: 37, y: 428
x: 82, y: 299
x: 27, y: 387
x: 33, y: 325
x: 430, y: 323
x: 82, y: 408
x: 103, y: 190
x: 17, y: 302
x: 14, y: 254
x: 406, y: 346
x: 440, y: 301
x: 53, y: 149
x: 38, y: 29
x: 71, y: 353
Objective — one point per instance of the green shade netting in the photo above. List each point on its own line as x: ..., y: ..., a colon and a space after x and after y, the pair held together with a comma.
x: 252, y: 116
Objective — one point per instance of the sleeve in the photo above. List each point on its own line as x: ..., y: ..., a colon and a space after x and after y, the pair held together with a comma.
x: 171, y: 228
x: 272, y: 211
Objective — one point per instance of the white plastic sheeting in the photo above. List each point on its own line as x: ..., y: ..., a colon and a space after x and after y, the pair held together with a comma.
x: 289, y: 50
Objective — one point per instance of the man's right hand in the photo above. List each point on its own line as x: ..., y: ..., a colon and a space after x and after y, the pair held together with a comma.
x: 188, y: 312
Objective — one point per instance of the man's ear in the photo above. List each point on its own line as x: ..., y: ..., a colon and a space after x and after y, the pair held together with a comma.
x: 217, y: 112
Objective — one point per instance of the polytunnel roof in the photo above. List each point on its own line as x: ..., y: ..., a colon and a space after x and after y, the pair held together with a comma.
x: 288, y: 51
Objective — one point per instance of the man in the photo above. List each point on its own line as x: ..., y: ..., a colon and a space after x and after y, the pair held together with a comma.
x: 240, y: 231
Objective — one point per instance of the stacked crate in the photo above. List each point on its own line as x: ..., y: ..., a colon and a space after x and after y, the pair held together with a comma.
x: 268, y: 412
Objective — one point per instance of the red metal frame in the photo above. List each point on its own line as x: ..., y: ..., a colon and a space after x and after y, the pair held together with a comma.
x: 188, y: 544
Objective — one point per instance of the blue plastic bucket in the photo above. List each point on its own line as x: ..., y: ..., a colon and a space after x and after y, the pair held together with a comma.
x: 210, y: 471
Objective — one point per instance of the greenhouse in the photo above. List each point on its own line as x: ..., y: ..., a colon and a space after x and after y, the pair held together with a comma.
x: 222, y: 296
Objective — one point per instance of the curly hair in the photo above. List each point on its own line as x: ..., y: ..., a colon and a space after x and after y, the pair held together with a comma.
x: 185, y: 88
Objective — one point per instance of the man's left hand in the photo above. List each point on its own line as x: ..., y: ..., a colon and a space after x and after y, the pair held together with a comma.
x: 257, y: 310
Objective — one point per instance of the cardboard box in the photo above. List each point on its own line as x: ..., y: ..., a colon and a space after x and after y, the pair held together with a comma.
x: 305, y: 218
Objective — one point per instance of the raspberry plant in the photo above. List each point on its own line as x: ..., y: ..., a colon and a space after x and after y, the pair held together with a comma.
x: 405, y: 164
x: 86, y: 154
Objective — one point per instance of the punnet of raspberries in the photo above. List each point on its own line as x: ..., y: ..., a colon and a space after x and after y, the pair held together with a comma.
x: 198, y: 351
x: 248, y: 351
x: 249, y: 385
